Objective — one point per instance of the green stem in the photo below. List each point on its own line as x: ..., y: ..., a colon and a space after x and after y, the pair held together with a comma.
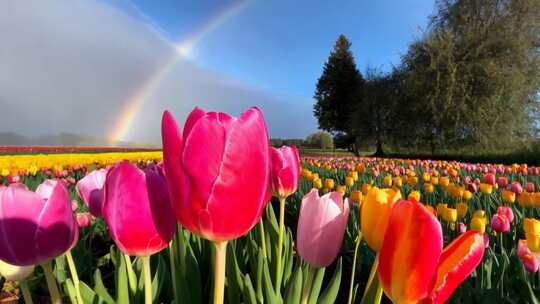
x: 263, y: 237
x: 131, y: 275
x: 51, y: 283
x: 75, y: 276
x: 309, y: 282
x: 504, y: 265
x: 280, y: 244
x: 219, y: 271
x: 353, y: 271
x: 373, y: 291
x: 27, y: 296
x: 173, y: 271
x: 147, y: 280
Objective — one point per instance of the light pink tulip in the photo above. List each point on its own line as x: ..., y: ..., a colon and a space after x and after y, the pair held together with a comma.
x: 90, y: 189
x: 321, y: 226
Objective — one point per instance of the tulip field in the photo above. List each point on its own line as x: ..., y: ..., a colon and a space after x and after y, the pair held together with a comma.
x: 219, y: 216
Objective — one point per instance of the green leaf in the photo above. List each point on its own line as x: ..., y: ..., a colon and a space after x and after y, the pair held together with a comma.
x: 121, y: 278
x: 249, y: 292
x: 330, y: 294
x: 70, y: 291
x: 100, y: 289
x: 88, y: 295
x: 316, y: 287
x: 269, y: 292
x: 193, y: 278
x: 294, y: 290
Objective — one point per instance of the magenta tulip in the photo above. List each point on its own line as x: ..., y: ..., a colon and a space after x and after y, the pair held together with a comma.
x: 503, y: 182
x: 530, y: 187
x: 35, y: 227
x: 285, y: 170
x: 500, y: 223
x: 90, y: 189
x: 217, y: 171
x: 516, y: 188
x: 137, y: 209
x: 321, y: 226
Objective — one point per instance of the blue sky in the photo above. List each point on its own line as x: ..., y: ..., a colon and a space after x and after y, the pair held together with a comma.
x: 281, y: 46
x: 96, y: 61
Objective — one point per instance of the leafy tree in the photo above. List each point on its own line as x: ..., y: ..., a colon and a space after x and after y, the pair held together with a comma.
x: 322, y: 140
x: 338, y: 90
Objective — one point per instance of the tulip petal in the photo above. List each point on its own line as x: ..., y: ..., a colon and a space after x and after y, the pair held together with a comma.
x: 176, y: 179
x: 410, y: 252
x: 192, y: 118
x: 17, y: 229
x: 54, y: 235
x: 457, y: 261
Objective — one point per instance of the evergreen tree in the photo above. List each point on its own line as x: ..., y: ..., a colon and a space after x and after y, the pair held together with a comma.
x: 338, y: 90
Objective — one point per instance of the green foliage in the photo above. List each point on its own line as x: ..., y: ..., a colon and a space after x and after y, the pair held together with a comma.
x: 338, y: 89
x: 322, y: 140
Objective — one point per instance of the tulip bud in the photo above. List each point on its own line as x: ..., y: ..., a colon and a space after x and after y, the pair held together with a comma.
x: 321, y: 227
x: 516, y: 188
x: 374, y: 215
x: 500, y: 223
x: 462, y: 209
x: 349, y: 181
x: 478, y: 224
x: 285, y: 169
x: 90, y: 189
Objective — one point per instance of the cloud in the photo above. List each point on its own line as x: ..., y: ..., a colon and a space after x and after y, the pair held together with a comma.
x: 70, y: 66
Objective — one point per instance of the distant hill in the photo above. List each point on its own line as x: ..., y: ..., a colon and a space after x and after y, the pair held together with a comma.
x: 62, y: 139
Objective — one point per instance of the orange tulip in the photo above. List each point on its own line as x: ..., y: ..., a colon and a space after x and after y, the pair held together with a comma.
x: 374, y: 215
x: 413, y: 266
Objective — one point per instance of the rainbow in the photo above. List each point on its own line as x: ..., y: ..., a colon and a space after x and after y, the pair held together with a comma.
x: 134, y: 103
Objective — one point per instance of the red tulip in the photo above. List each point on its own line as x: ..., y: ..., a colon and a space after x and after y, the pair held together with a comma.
x: 530, y: 187
x: 285, y: 170
x: 413, y: 266
x: 35, y: 227
x: 217, y: 171
x: 90, y: 189
x: 503, y: 182
x: 489, y: 179
x: 321, y: 226
x: 137, y: 209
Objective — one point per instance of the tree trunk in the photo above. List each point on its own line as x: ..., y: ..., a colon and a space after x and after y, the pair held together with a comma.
x: 380, y: 151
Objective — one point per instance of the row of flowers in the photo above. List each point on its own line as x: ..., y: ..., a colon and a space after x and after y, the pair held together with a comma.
x: 216, y: 179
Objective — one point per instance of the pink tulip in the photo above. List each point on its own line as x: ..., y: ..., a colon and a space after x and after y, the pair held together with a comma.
x: 500, y: 223
x: 137, y: 209
x: 530, y: 187
x: 217, y: 171
x: 462, y: 228
x: 285, y: 170
x: 503, y: 182
x: 516, y: 188
x: 90, y: 189
x: 84, y: 219
x: 321, y: 226
x: 35, y: 227
x: 506, y: 211
x: 530, y: 260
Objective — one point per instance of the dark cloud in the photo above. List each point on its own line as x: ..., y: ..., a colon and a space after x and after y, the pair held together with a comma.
x: 70, y: 66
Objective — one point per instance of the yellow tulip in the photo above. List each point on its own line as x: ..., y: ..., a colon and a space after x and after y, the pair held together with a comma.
x: 444, y: 181
x: 398, y: 182
x: 467, y: 195
x: 329, y: 183
x: 450, y: 215
x: 387, y: 181
x: 428, y: 188
x: 441, y: 208
x: 414, y: 195
x: 478, y: 224
x: 486, y: 188
x: 375, y: 214
x: 462, y: 209
x: 317, y: 183
x: 341, y: 189
x: 434, y: 180
x: 349, y: 181
x: 508, y: 196
x: 532, y: 233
